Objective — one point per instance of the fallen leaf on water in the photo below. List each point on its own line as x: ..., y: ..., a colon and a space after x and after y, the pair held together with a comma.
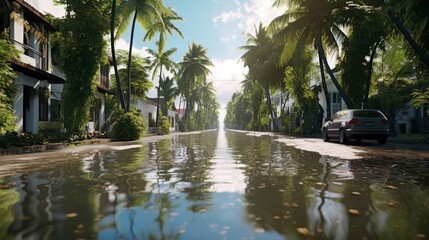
x: 354, y: 211
x: 421, y: 235
x: 71, y: 215
x: 276, y: 217
x: 305, y: 232
x: 294, y: 204
x: 259, y: 230
x: 391, y: 187
x: 390, y: 204
x: 356, y: 193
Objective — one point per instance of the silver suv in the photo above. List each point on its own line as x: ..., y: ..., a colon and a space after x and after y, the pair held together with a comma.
x: 356, y: 124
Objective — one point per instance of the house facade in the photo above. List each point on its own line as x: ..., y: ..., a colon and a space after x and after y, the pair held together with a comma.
x: 39, y: 83
x: 30, y: 32
x: 147, y: 109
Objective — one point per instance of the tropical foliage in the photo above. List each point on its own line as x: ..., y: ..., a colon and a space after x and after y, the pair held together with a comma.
x: 82, y: 48
x: 381, y: 54
x: 128, y: 126
x: 7, y: 86
x: 192, y: 84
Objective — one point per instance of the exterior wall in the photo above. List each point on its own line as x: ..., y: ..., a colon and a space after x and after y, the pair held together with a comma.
x: 322, y: 99
x: 28, y: 116
x: 146, y: 109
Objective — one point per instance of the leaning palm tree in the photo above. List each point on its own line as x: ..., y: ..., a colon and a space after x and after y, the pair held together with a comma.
x: 145, y: 12
x: 193, y: 68
x: 112, y: 46
x: 309, y: 22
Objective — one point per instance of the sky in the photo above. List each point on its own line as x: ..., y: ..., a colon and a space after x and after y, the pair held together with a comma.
x: 218, y: 25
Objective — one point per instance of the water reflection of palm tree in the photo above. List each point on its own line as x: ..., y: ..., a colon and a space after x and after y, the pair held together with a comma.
x: 327, y: 215
x: 194, y: 168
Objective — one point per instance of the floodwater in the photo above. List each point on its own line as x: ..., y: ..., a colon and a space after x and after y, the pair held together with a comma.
x: 216, y: 185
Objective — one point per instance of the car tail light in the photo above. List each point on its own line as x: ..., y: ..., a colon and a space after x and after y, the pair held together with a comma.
x: 384, y: 121
x: 353, y: 121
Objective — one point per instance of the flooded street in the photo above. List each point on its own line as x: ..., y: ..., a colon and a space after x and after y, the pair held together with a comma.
x: 216, y: 185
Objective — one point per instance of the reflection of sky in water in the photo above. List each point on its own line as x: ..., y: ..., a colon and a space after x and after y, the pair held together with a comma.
x: 224, y: 219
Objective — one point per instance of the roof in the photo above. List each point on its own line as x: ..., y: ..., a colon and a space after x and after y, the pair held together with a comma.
x: 34, y: 13
x: 37, y: 73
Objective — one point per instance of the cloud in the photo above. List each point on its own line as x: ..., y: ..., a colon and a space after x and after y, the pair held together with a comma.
x: 226, y: 75
x: 228, y: 39
x: 226, y: 17
x: 121, y: 44
x: 257, y: 11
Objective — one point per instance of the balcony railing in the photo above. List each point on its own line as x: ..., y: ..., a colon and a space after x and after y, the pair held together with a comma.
x: 31, y: 52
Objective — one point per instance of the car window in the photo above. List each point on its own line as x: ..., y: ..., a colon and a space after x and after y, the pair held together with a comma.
x: 336, y: 116
x: 367, y: 113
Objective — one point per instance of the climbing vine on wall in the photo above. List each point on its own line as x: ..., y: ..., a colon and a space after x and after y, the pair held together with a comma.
x: 81, y: 49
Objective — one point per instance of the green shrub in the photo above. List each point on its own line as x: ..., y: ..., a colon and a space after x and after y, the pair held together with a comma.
x: 52, y: 131
x: 128, y: 126
x: 297, y: 130
x: 8, y: 140
x: 165, y: 125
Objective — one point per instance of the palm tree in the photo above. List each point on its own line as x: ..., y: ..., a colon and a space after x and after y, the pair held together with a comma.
x: 262, y: 60
x: 207, y: 100
x: 163, y: 26
x: 310, y: 22
x: 168, y: 91
x: 193, y: 68
x: 145, y: 12
x: 161, y: 59
x: 253, y: 90
x: 112, y: 45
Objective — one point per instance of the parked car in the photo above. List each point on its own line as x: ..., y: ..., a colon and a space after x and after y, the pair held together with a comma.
x: 356, y: 124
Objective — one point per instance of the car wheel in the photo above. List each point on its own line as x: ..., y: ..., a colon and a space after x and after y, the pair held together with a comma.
x: 325, y: 135
x: 343, y: 139
x: 381, y: 141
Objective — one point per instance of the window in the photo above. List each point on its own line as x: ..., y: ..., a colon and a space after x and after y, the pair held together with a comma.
x: 335, y: 99
x: 104, y: 75
x: 151, y: 121
x: 43, y: 104
x: 55, y: 110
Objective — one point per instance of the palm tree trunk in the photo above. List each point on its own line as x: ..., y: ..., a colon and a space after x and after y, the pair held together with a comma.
x: 368, y: 79
x: 129, y: 61
x: 334, y: 79
x: 112, y: 45
x: 270, y: 108
x: 423, y: 56
x: 157, y: 101
x: 324, y: 86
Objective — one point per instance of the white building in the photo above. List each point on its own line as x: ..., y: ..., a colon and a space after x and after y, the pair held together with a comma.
x: 147, y: 109
x: 39, y: 83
